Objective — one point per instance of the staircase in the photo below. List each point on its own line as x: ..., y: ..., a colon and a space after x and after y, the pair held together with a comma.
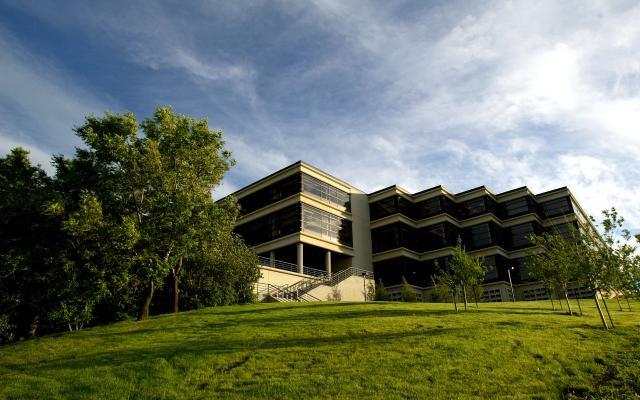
x: 299, y: 291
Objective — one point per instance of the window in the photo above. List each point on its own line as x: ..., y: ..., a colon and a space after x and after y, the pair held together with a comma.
x: 382, y: 208
x: 326, y: 225
x: 492, y: 270
x: 481, y: 235
x: 519, y: 234
x: 277, y: 224
x: 429, y: 207
x: 474, y: 207
x: 556, y: 207
x: 269, y: 195
x: 516, y: 207
x: 434, y: 237
x: 325, y: 191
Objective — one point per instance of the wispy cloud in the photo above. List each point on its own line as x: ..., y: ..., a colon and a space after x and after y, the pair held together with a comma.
x: 505, y: 93
x: 39, y: 102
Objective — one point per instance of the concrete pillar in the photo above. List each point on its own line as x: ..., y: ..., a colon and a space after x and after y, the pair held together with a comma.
x: 300, y: 258
x: 327, y: 263
x: 272, y: 258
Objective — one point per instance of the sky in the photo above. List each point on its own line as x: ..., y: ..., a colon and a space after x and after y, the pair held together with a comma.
x: 504, y: 94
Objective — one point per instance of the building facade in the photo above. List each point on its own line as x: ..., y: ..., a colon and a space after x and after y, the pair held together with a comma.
x: 303, y: 219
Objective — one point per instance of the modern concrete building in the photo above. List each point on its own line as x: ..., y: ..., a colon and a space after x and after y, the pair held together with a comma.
x: 314, y: 232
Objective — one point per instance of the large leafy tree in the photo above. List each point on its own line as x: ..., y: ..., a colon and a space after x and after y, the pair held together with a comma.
x: 162, y: 180
x: 29, y: 239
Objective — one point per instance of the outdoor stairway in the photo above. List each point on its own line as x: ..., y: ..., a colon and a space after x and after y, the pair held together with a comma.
x: 299, y: 291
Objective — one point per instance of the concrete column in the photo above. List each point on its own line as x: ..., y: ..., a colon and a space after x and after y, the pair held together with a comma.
x: 300, y: 258
x: 327, y: 263
x: 272, y: 258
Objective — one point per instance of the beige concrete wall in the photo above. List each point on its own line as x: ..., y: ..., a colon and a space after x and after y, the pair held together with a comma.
x: 278, y: 277
x: 361, y: 231
x: 351, y: 289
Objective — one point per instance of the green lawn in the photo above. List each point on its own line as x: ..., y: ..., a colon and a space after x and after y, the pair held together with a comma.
x: 336, y: 350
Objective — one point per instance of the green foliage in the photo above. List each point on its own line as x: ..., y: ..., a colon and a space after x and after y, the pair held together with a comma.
x: 126, y: 214
x: 468, y: 271
x: 222, y: 273
x: 440, y: 292
x: 381, y: 293
x: 553, y: 262
x: 406, y: 292
x: 29, y: 241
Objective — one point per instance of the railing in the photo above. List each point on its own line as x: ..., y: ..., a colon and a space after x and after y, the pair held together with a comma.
x: 299, y: 291
x: 346, y: 273
x: 282, y: 293
x: 267, y: 262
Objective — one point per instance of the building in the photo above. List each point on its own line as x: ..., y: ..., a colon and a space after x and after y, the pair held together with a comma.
x: 308, y: 227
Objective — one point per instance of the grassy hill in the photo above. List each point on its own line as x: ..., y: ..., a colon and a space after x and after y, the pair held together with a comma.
x: 336, y: 350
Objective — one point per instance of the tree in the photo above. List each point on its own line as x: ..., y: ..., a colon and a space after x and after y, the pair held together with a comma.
x: 222, y: 272
x: 29, y: 240
x: 601, y: 262
x: 552, y: 263
x: 446, y: 277
x: 381, y: 293
x: 468, y: 271
x: 163, y: 181
x: 407, y: 293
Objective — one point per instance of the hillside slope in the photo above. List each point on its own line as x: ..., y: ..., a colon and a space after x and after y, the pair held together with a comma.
x: 336, y: 350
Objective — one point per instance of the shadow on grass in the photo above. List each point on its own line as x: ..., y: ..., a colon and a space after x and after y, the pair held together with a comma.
x: 150, y: 351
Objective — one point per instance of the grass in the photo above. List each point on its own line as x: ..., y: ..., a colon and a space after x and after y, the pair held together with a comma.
x: 336, y: 350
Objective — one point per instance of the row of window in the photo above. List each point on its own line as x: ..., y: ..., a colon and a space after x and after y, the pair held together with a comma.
x: 292, y: 185
x: 326, y: 225
x: 470, y: 208
x: 421, y: 273
x: 324, y: 191
x: 445, y: 234
x: 294, y: 219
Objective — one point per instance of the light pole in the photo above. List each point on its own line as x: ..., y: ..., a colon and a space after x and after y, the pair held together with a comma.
x: 513, y: 294
x: 364, y: 285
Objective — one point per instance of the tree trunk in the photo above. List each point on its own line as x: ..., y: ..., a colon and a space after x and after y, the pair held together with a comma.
x: 579, y: 306
x: 455, y: 303
x: 475, y: 297
x: 175, y: 277
x: 33, y: 326
x: 144, y: 309
x: 628, y: 304
x: 464, y: 293
x: 604, y: 322
x: 607, y: 309
x: 553, y: 305
x: 559, y: 301
x: 619, y: 304
x: 566, y: 297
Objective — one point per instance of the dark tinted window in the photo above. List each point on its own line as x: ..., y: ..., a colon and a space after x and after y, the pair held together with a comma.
x: 429, y: 207
x: 492, y: 268
x: 517, y: 207
x: 556, y: 207
x: 271, y: 194
x: 519, y: 234
x: 382, y: 208
x: 475, y: 207
x: 481, y: 235
x: 272, y: 226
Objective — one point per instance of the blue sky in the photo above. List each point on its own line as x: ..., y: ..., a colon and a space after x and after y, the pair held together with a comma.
x: 417, y: 93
